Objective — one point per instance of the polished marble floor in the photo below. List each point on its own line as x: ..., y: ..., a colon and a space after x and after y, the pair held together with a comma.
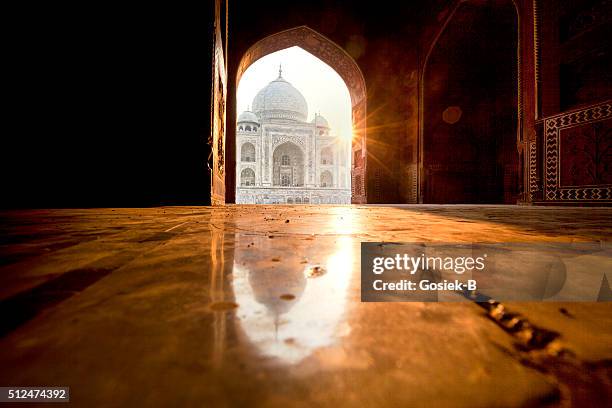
x: 226, y: 306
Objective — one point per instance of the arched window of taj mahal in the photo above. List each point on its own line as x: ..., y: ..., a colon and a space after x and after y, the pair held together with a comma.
x: 247, y: 177
x: 327, y: 179
x: 327, y: 156
x: 247, y: 152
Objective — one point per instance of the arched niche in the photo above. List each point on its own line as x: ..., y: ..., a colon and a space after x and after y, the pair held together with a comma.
x: 470, y: 108
x: 327, y: 156
x: 327, y: 179
x: 247, y: 177
x: 288, y: 165
x: 247, y: 152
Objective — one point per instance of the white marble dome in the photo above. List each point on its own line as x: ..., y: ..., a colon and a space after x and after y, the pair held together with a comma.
x: 248, y: 116
x: 320, y: 121
x: 280, y: 100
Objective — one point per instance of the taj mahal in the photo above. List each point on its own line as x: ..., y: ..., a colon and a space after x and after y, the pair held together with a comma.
x: 282, y: 158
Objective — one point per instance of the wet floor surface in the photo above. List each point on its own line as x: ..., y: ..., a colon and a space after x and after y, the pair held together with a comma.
x: 260, y: 306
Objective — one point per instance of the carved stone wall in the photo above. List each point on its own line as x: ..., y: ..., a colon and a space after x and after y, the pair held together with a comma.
x: 573, y: 66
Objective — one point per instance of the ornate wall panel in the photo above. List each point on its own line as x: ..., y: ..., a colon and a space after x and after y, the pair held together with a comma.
x: 533, y: 168
x: 578, y: 159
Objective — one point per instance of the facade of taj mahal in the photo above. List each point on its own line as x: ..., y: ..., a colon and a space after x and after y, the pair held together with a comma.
x: 282, y: 158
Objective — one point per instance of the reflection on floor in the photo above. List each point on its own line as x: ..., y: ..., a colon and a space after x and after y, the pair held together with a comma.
x: 259, y: 305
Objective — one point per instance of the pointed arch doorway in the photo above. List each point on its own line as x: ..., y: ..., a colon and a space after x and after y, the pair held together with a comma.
x: 334, y: 56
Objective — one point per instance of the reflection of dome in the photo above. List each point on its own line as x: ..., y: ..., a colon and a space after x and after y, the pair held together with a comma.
x: 248, y: 116
x: 270, y: 284
x: 320, y: 121
x: 289, y: 329
x: 280, y: 100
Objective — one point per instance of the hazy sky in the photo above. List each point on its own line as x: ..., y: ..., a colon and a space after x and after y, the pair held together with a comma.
x: 324, y: 90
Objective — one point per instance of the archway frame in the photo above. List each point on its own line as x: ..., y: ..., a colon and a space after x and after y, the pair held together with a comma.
x: 421, y: 95
x: 336, y: 57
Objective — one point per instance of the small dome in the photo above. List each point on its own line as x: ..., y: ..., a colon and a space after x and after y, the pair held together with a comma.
x: 280, y: 100
x: 248, y: 116
x: 320, y: 121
